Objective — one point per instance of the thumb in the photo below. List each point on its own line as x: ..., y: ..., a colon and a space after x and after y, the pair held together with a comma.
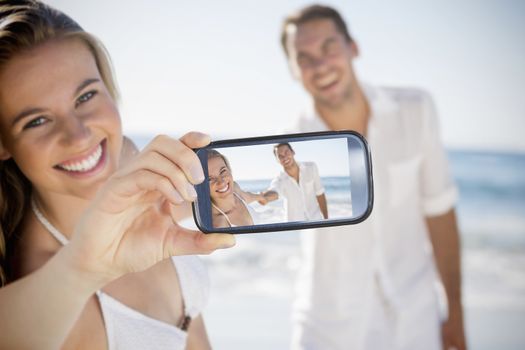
x: 183, y: 241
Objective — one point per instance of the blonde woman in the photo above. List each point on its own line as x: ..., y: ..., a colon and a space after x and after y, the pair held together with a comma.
x: 230, y: 204
x: 84, y: 240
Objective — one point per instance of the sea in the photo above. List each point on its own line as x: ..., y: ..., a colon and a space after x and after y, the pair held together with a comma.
x: 252, y: 284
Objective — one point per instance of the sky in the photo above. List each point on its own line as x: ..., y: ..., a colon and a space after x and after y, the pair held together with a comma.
x: 258, y: 162
x: 217, y: 66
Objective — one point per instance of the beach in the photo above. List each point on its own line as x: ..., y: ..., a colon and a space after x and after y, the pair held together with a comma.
x: 252, y: 289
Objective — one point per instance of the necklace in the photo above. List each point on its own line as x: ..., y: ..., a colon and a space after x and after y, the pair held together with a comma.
x: 59, y: 236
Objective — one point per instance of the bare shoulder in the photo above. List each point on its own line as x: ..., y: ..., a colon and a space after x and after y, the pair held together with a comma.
x: 237, y: 189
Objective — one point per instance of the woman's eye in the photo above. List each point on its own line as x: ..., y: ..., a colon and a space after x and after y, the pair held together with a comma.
x: 85, y: 97
x: 35, y: 122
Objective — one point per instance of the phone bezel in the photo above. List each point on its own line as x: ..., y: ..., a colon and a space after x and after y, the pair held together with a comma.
x: 202, y: 189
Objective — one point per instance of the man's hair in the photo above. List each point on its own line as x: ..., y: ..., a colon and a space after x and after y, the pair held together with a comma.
x: 311, y: 13
x: 281, y: 144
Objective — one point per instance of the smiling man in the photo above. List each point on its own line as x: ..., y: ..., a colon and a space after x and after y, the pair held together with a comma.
x: 373, y: 285
x: 299, y: 185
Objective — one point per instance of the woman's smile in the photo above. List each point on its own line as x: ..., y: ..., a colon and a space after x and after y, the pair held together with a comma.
x: 224, y: 189
x: 85, y: 165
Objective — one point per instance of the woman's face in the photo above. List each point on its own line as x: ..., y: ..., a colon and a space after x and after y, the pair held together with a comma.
x: 57, y: 119
x: 221, y: 180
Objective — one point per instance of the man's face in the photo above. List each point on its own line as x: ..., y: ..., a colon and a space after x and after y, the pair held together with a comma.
x: 322, y: 58
x: 285, y: 156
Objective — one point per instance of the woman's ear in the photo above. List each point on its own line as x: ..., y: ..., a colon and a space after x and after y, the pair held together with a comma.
x: 4, y: 154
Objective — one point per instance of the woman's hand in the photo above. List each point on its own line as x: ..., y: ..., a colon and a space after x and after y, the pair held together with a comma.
x: 128, y: 226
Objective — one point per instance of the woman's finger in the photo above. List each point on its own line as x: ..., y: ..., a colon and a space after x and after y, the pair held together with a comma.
x: 195, y: 139
x: 159, y: 164
x: 178, y: 153
x: 116, y: 194
x: 183, y: 241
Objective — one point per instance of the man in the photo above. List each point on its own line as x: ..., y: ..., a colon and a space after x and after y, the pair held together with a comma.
x: 300, y: 185
x: 373, y: 285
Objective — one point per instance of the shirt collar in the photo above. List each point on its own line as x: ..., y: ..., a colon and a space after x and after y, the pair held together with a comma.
x: 301, y: 170
x: 380, y: 102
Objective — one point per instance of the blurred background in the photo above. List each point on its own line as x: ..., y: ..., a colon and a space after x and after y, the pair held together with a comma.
x: 217, y: 67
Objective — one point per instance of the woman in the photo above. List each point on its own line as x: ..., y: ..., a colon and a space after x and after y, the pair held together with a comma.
x: 229, y: 203
x: 83, y: 241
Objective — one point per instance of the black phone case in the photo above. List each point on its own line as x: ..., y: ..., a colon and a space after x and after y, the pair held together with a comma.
x: 201, y: 209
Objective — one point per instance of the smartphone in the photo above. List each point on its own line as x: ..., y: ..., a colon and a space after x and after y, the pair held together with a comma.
x: 284, y: 182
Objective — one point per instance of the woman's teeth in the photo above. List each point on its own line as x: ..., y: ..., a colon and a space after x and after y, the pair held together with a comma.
x: 85, y: 165
x: 224, y: 189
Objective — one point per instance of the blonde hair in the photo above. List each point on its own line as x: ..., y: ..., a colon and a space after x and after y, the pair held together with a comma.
x: 216, y: 154
x: 25, y: 24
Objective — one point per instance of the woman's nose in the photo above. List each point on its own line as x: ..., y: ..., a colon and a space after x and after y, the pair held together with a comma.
x: 75, y: 130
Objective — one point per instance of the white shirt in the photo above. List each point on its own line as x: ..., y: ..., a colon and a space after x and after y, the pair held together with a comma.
x: 128, y: 329
x: 300, y: 198
x: 389, y: 254
x: 253, y: 214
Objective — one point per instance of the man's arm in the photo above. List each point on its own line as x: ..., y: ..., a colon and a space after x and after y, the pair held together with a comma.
x: 250, y: 197
x: 268, y: 196
x: 272, y: 193
x: 321, y: 199
x: 444, y: 236
x: 318, y: 187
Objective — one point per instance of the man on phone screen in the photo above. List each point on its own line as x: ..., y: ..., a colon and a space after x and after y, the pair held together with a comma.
x: 299, y: 185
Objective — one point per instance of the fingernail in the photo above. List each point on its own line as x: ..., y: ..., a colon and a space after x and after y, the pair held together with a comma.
x: 191, y: 191
x: 178, y: 198
x: 197, y: 174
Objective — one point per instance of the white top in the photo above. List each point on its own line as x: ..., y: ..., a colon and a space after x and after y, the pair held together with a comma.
x: 253, y: 214
x: 342, y: 264
x: 300, y: 198
x: 128, y: 329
